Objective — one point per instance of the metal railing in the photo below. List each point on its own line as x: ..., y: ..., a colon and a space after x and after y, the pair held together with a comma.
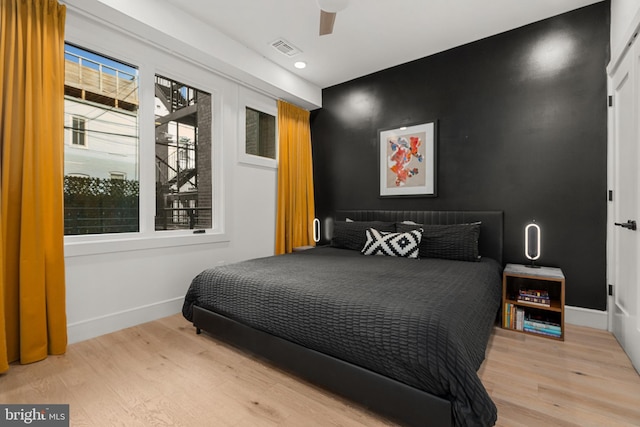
x: 100, y: 78
x: 179, y: 218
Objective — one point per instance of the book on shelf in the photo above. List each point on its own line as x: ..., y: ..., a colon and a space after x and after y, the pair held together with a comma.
x: 545, y: 302
x: 538, y: 297
x: 541, y: 319
x: 556, y: 334
x: 513, y: 317
x: 542, y: 327
x: 534, y: 293
x: 507, y: 315
x: 506, y: 312
x: 520, y: 319
x: 540, y: 323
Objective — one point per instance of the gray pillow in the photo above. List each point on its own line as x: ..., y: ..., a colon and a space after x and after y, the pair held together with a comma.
x: 352, y: 234
x: 451, y: 241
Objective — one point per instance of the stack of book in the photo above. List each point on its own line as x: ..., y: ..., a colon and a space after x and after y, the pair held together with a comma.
x: 543, y: 327
x: 513, y: 317
x: 535, y: 297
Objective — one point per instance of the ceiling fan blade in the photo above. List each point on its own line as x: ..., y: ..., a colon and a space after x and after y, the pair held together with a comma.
x: 327, y: 20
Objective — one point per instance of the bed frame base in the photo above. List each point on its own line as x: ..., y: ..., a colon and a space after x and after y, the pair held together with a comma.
x: 387, y: 397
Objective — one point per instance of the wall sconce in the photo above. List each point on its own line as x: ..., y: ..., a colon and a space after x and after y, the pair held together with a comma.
x: 316, y: 230
x: 532, y: 239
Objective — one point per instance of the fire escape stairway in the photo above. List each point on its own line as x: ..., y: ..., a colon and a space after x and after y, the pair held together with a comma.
x: 170, y: 97
x: 176, y: 164
x: 180, y: 178
x: 179, y: 110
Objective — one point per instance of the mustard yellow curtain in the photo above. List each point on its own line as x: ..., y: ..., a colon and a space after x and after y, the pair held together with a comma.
x: 32, y: 288
x: 296, y: 210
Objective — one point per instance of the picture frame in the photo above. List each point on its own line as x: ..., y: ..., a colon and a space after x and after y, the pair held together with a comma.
x: 408, y: 160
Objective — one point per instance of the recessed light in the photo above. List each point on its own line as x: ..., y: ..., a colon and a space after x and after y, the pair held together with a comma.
x: 300, y: 65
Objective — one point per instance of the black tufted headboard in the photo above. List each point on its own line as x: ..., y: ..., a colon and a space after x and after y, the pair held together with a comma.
x: 490, y: 244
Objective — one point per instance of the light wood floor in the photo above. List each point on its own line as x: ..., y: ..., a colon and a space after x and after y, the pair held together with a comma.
x: 162, y: 373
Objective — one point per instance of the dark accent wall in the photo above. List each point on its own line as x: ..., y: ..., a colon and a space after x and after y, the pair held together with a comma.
x: 522, y: 119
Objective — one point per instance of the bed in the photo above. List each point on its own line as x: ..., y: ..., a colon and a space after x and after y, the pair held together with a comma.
x: 403, y: 337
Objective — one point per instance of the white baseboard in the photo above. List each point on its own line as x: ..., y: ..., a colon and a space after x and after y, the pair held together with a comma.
x: 586, y: 317
x: 90, y: 328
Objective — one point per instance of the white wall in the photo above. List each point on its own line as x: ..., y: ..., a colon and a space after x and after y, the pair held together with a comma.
x: 623, y: 15
x: 119, y: 283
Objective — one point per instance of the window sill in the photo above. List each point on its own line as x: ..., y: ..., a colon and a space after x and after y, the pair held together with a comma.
x: 75, y: 246
x: 250, y: 159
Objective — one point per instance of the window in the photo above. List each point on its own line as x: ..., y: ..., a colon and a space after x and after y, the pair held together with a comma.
x: 183, y: 156
x: 260, y: 137
x: 117, y: 175
x: 258, y: 129
x: 150, y: 174
x: 78, y: 131
x: 100, y: 102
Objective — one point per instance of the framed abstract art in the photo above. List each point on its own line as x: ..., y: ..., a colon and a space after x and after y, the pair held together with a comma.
x: 408, y: 161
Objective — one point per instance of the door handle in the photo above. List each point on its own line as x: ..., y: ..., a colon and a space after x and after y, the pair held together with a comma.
x: 630, y: 224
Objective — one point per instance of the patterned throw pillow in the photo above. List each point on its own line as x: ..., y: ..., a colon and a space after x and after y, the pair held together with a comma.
x: 392, y: 244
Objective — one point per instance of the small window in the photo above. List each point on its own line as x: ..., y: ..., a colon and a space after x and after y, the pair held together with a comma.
x: 258, y: 129
x: 118, y: 175
x: 260, y: 134
x: 78, y: 134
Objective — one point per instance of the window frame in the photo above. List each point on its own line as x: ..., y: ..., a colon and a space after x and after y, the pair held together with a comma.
x: 150, y: 59
x: 261, y: 103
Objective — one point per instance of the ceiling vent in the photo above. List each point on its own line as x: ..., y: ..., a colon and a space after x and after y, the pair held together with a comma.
x: 285, y: 48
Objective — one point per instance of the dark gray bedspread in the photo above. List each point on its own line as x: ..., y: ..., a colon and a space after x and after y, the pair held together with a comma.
x: 424, y: 322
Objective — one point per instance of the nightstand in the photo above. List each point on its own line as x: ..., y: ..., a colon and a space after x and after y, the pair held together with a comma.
x: 533, y: 300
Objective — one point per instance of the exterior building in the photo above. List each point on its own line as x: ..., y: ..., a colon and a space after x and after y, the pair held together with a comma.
x: 101, y: 120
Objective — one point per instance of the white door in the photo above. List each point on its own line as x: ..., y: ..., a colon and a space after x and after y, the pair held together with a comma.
x: 625, y: 254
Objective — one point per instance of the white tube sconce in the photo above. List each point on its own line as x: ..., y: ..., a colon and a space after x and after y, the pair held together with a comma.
x: 532, y: 240
x: 316, y: 230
